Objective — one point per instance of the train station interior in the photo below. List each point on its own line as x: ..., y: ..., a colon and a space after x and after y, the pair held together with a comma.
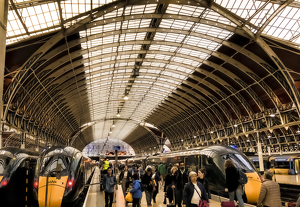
x: 145, y: 83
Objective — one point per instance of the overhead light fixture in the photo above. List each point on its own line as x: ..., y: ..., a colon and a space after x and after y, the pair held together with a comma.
x: 182, y: 140
x: 195, y: 137
x: 235, y: 125
x: 118, y: 114
x: 113, y: 125
x: 272, y: 115
x: 211, y: 132
x: 298, y: 131
x: 125, y: 97
x: 248, y: 140
x: 269, y: 136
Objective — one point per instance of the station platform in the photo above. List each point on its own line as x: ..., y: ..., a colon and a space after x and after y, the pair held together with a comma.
x: 95, y: 197
x: 288, y: 179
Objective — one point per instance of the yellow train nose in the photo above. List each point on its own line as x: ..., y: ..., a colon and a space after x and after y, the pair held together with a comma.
x: 252, y: 188
x: 56, y: 189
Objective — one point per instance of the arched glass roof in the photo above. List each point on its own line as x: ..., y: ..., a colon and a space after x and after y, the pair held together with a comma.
x: 188, y: 67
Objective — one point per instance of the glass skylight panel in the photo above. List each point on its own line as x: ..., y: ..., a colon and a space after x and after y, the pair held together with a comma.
x: 136, y: 23
x: 285, y: 25
x: 172, y: 37
x: 176, y: 24
x: 140, y: 9
x: 212, y: 31
x: 214, y: 16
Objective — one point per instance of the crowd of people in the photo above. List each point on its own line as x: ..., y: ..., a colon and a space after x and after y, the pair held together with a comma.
x: 182, y: 188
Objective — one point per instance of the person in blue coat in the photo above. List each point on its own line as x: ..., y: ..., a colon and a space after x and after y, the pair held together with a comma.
x: 136, y: 191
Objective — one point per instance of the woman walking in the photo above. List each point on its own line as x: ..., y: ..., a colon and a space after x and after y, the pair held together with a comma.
x: 124, y: 178
x: 204, y: 181
x: 233, y: 187
x: 170, y: 184
x: 193, y: 192
x: 156, y: 178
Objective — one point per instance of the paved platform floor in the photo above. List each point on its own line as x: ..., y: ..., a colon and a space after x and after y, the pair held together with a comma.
x: 288, y: 179
x: 95, y: 197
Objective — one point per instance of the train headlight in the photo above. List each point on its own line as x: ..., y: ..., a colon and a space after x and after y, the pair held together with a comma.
x: 36, y: 184
x: 4, y: 182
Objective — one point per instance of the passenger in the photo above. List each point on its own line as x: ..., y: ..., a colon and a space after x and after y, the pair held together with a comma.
x: 109, y: 182
x: 193, y: 192
x: 125, y: 178
x: 269, y: 192
x: 169, y: 168
x: 136, y: 191
x: 135, y: 171
x: 141, y: 171
x: 105, y: 166
x: 170, y: 184
x: 232, y: 182
x: 298, y: 202
x: 156, y: 178
x: 181, y: 180
x: 148, y: 183
x: 162, y: 169
x: 204, y: 181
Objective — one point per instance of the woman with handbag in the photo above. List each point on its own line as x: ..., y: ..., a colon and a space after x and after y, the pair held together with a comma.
x: 194, y: 194
x: 170, y: 184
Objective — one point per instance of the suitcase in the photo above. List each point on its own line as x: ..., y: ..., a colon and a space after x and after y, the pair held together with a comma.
x: 227, y: 204
x: 173, y: 204
x: 291, y: 204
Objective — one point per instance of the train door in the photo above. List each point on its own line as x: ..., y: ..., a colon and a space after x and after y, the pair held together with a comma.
x: 191, y: 163
x: 297, y: 166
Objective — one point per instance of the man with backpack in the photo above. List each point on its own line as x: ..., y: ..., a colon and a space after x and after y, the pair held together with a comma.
x: 235, y: 179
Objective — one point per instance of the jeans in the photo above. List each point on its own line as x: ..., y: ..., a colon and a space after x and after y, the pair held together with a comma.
x: 155, y: 192
x: 239, y: 194
x: 136, y: 202
x: 110, y: 197
x: 149, y: 195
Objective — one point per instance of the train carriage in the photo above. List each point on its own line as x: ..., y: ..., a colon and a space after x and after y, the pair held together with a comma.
x: 60, y: 177
x: 16, y: 176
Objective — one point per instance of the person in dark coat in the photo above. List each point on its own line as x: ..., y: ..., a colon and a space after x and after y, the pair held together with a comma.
x: 182, y: 179
x: 170, y: 184
x: 233, y: 187
x: 148, y: 185
x: 204, y: 181
x: 193, y: 192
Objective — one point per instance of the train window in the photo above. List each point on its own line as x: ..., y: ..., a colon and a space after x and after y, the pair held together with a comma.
x: 49, y: 165
x: 4, y: 161
x: 242, y: 162
x: 282, y: 164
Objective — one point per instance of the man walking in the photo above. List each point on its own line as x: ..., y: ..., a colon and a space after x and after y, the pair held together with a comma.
x: 162, y: 169
x: 109, y: 182
x: 182, y: 179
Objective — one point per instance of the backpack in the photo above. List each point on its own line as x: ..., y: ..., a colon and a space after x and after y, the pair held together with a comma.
x: 142, y: 187
x: 242, y: 177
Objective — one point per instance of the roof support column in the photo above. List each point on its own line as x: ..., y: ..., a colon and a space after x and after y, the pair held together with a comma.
x: 3, y: 23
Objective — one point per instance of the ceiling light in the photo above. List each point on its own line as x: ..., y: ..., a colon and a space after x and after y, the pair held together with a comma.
x: 298, y: 131
x: 110, y: 132
x: 125, y: 98
x: 235, y: 125
x: 248, y: 140
x: 113, y: 125
x: 195, y: 137
x: 269, y: 136
x: 272, y: 115
x: 211, y: 132
x: 182, y: 140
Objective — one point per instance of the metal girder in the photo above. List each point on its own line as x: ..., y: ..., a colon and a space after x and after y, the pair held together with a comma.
x: 283, y: 76
x: 271, y: 17
x: 19, y: 16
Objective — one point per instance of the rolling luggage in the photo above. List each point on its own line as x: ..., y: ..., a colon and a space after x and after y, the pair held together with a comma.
x: 173, y: 204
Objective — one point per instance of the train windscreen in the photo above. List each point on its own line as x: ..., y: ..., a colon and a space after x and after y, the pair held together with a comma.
x: 4, y: 162
x: 50, y: 163
x: 242, y: 162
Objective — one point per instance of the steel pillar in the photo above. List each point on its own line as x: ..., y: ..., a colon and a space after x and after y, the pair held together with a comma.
x: 23, y: 140
x: 260, y: 156
x: 116, y: 162
x: 3, y: 23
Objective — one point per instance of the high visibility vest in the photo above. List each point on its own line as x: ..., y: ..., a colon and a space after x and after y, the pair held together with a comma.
x: 105, y: 165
